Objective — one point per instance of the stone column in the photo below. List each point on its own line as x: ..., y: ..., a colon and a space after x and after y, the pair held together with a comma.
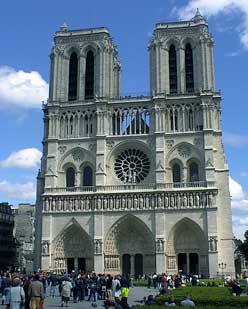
x: 132, y: 261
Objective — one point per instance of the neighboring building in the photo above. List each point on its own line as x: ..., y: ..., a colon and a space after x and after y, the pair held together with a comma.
x: 24, y: 234
x: 7, y: 241
x: 134, y: 184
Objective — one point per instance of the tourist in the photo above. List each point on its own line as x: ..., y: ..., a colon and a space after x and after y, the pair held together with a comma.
x: 17, y: 295
x: 26, y: 285
x: 170, y: 302
x: 187, y: 302
x: 92, y: 287
x: 116, y: 287
x: 36, y: 292
x: 53, y: 284
x: 66, y: 288
x: 150, y: 301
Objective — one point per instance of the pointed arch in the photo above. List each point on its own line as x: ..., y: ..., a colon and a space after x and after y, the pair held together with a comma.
x: 189, y: 68
x: 89, y: 75
x: 130, y: 236
x: 73, y: 77
x: 72, y: 243
x: 173, y: 69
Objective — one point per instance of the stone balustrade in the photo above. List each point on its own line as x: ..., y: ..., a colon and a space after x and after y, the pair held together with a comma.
x: 130, y: 202
x: 132, y: 187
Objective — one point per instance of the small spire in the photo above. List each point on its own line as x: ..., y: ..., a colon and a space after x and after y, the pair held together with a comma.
x: 198, y: 16
x: 64, y: 26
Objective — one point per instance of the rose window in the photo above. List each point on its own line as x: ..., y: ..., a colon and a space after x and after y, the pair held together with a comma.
x: 132, y: 166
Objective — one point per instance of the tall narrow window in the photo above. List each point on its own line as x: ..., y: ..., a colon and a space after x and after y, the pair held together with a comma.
x: 189, y: 69
x: 173, y: 69
x: 87, y: 177
x: 193, y: 172
x: 89, y: 76
x: 176, y: 173
x: 70, y: 177
x: 73, y: 77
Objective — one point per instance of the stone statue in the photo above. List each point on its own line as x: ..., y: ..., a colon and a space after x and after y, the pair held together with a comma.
x: 141, y: 202
x: 185, y: 202
x: 166, y: 201
x: 159, y: 201
x: 191, y: 201
x: 45, y: 248
x: 197, y: 200
x: 135, y: 202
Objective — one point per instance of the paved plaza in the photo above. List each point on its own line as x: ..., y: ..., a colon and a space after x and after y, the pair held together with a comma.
x: 136, y: 294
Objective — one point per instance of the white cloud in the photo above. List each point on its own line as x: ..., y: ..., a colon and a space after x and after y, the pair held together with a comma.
x: 24, y: 191
x: 216, y: 7
x: 24, y: 158
x: 235, y: 140
x: 21, y: 89
x: 236, y: 190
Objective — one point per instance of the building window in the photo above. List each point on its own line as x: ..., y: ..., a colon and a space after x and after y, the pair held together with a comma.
x: 73, y: 77
x: 87, y: 177
x: 174, y: 120
x: 173, y: 69
x: 176, y: 173
x: 189, y: 68
x: 89, y: 76
x: 70, y: 177
x: 193, y: 172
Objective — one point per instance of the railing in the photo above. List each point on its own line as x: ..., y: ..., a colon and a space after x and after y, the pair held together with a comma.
x: 134, y: 187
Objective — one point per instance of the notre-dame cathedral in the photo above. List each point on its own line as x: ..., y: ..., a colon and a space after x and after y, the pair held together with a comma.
x: 134, y: 184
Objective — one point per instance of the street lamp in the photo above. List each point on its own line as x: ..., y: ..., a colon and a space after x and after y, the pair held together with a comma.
x: 222, y: 266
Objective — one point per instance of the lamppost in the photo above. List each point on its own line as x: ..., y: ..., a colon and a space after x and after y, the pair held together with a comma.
x: 222, y: 266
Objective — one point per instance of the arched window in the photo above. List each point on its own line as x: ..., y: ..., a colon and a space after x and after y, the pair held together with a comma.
x: 189, y: 69
x: 193, y: 172
x: 176, y: 173
x: 173, y: 69
x: 70, y: 177
x: 174, y: 120
x: 191, y: 120
x: 73, y: 77
x: 87, y: 177
x: 89, y: 76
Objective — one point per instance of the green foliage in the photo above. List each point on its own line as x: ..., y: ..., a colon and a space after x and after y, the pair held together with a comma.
x: 213, y: 297
x: 140, y: 282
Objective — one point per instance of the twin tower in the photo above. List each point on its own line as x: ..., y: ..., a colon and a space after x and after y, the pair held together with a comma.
x: 85, y: 63
x: 134, y: 184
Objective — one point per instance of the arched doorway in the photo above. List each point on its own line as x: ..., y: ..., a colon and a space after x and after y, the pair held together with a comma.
x: 73, y: 250
x: 130, y: 247
x: 193, y: 263
x: 186, y: 244
x: 182, y: 263
x: 126, y: 264
x: 138, y: 265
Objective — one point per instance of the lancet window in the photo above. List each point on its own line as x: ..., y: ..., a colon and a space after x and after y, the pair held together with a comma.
x: 173, y: 69
x: 73, y: 77
x: 89, y: 76
x: 87, y: 176
x: 70, y: 177
x: 130, y: 121
x: 184, y: 117
x: 176, y: 173
x: 77, y: 124
x: 189, y: 68
x: 193, y: 172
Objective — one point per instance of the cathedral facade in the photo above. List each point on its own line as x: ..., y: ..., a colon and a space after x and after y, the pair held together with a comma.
x: 134, y: 184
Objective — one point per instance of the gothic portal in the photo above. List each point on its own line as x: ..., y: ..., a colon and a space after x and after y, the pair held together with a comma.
x: 134, y: 184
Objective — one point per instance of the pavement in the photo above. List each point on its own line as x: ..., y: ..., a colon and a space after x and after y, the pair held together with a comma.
x: 136, y: 295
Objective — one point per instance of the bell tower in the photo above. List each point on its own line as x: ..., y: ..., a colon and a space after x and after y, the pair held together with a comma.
x: 181, y: 57
x: 84, y: 65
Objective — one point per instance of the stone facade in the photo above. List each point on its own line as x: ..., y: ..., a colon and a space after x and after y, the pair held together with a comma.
x: 134, y: 184
x: 24, y: 233
x: 7, y: 240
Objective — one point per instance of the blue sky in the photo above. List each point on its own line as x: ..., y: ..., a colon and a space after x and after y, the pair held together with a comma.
x: 27, y: 29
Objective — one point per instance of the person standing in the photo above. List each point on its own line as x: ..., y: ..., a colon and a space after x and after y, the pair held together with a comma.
x: 36, y: 292
x: 66, y: 291
x: 17, y: 295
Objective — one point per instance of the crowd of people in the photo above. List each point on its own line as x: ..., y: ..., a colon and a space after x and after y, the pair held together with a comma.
x: 20, y: 290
